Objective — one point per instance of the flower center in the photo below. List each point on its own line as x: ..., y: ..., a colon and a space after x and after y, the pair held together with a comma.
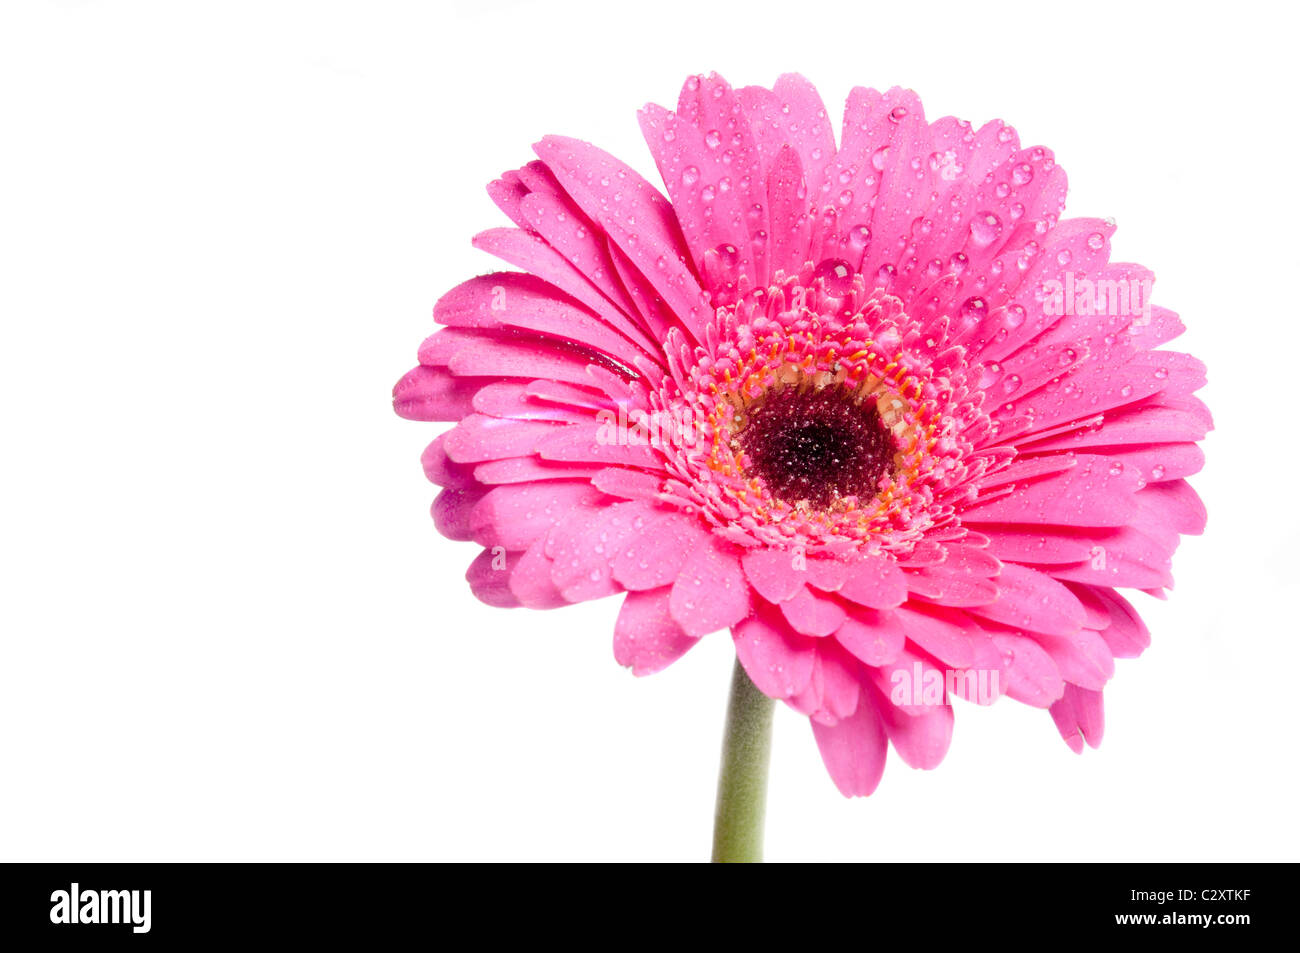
x: 816, y: 446
x: 827, y: 418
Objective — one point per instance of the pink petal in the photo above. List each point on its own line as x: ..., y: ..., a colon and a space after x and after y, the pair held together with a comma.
x: 920, y: 740
x: 655, y: 555
x: 434, y: 393
x: 1101, y: 387
x: 1125, y: 557
x: 531, y: 582
x: 778, y: 660
x: 791, y: 116
x: 582, y: 546
x: 452, y: 512
x: 585, y: 443
x: 646, y: 639
x: 488, y: 354
x: 854, y: 750
x: 513, y: 515
x: 514, y: 399
x: 812, y: 614
x: 442, y: 470
x: 1032, y: 677
x: 1162, y: 462
x: 654, y: 244
x: 710, y: 592
x: 479, y: 437
x: 528, y: 470
x: 1175, y: 505
x: 772, y: 573
x: 1046, y: 545
x: 790, y: 225
x: 1079, y: 717
x: 710, y: 105
x: 1083, y: 658
x: 947, y: 588
x: 1126, y: 635
x: 838, y: 673
x: 489, y: 579
x: 875, y: 582
x: 828, y: 575
x: 629, y: 484
x: 1143, y: 425
x: 523, y: 301
x: 945, y: 634
x: 833, y: 690
x: 1093, y: 493
x: 701, y: 182
x: 875, y: 637
x: 1025, y: 468
x: 531, y: 253
x: 1030, y: 599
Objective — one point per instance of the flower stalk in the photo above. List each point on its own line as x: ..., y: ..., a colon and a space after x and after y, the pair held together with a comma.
x: 742, y: 778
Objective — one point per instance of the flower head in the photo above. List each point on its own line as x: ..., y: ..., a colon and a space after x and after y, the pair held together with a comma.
x: 873, y: 407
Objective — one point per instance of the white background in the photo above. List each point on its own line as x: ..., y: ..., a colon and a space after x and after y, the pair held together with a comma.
x: 229, y: 629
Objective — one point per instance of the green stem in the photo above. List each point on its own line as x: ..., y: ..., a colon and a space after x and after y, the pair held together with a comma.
x: 742, y: 779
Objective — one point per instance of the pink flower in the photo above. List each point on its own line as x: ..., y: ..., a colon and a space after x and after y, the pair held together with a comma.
x: 874, y: 408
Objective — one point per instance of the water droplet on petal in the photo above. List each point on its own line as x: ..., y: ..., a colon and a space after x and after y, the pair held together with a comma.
x: 974, y: 309
x: 985, y: 228
x: 836, y: 274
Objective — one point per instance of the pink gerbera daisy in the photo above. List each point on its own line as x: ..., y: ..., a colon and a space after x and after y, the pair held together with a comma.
x: 873, y: 407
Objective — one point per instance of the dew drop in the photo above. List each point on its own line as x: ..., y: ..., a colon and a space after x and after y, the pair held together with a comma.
x: 836, y: 274
x: 985, y: 228
x: 974, y: 309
